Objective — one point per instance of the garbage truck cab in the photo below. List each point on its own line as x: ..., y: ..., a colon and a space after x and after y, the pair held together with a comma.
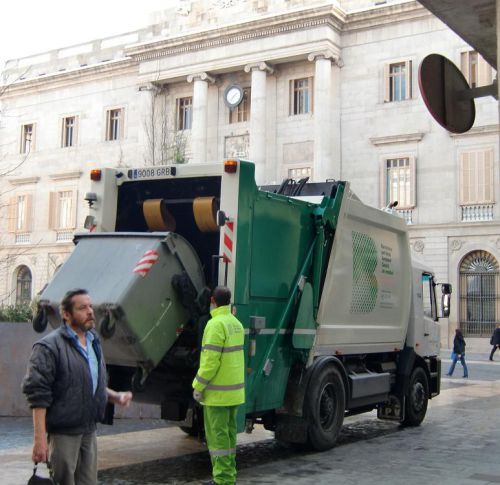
x: 338, y: 320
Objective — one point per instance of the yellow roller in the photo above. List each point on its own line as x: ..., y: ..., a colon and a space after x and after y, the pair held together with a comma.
x: 205, y: 212
x: 158, y: 217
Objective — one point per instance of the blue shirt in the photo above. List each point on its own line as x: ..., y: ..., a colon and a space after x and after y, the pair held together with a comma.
x: 89, y: 354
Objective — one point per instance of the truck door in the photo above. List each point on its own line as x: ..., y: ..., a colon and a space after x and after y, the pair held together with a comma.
x: 430, y: 340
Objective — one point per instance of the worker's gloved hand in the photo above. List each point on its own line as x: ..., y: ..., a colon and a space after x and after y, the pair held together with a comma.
x: 197, y: 395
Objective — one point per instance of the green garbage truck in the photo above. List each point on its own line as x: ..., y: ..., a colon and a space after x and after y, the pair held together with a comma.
x: 338, y: 318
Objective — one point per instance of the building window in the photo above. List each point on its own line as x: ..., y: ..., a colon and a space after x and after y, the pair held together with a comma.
x: 476, y: 177
x: 398, y: 182
x: 397, y: 81
x: 301, y: 96
x: 22, y: 213
x: 184, y: 113
x: 69, y: 127
x: 242, y: 112
x: 27, y: 138
x: 23, y: 286
x: 114, y: 124
x: 20, y: 217
x: 479, y: 294
x: 298, y: 173
x: 62, y: 210
x: 475, y: 69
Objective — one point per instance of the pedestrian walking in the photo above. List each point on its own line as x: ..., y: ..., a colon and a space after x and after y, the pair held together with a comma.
x: 495, y: 340
x: 458, y: 354
x: 219, y: 385
x: 65, y: 386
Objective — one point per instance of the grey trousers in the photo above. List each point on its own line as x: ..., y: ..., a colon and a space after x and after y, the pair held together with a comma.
x: 74, y: 458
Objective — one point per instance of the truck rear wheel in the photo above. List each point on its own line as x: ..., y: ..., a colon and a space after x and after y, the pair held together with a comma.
x: 417, y: 398
x: 325, y: 407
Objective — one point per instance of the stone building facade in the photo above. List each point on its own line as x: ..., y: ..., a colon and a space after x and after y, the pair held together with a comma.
x: 329, y: 90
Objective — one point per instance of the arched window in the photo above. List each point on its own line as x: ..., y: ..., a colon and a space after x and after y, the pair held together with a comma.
x: 23, y: 286
x: 479, y: 294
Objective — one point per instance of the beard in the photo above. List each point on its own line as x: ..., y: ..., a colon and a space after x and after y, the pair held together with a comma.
x: 83, y: 324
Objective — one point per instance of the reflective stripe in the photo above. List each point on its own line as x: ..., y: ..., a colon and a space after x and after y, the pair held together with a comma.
x: 235, y: 348
x: 200, y: 379
x: 269, y: 331
x: 230, y: 451
x: 216, y: 348
x: 304, y: 331
x: 215, y: 387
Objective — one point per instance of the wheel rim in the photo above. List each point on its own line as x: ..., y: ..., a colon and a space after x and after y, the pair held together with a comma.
x: 327, y: 406
x: 418, y: 396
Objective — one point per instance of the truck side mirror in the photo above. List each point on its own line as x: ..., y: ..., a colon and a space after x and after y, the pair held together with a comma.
x: 445, y: 305
x: 445, y: 299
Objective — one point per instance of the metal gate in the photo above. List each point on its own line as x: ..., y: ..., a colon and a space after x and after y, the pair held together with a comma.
x: 479, y: 294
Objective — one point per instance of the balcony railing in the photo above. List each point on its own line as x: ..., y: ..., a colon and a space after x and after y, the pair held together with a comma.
x: 23, y: 238
x: 406, y: 214
x: 477, y: 213
x: 64, y: 236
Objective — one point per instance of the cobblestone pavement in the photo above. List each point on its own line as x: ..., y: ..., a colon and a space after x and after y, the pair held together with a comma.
x: 456, y: 444
x: 18, y: 432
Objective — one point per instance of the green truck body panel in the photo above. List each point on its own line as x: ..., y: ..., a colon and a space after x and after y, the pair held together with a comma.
x: 279, y: 241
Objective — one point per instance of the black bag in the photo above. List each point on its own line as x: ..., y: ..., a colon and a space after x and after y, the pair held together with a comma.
x: 491, y: 340
x: 36, y: 480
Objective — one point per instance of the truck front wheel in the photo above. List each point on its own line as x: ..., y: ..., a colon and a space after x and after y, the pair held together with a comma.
x: 325, y: 407
x: 417, y: 398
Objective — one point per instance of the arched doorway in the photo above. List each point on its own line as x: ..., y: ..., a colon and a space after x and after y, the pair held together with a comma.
x: 479, y: 294
x: 23, y: 286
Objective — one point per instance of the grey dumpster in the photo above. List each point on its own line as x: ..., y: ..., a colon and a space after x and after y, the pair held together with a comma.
x: 128, y: 277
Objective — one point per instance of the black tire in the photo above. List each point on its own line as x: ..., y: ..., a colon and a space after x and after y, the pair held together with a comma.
x: 325, y: 407
x: 40, y: 321
x: 196, y: 429
x: 107, y: 326
x: 417, y: 398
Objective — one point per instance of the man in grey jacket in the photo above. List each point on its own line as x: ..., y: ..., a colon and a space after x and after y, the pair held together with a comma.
x: 66, y: 387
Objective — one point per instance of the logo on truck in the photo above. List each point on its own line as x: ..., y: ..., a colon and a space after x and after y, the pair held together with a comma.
x: 364, y: 281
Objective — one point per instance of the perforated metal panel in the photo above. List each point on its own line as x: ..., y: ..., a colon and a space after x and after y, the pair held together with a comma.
x: 364, y: 263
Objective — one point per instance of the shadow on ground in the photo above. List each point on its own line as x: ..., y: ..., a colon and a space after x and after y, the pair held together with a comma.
x: 196, y: 467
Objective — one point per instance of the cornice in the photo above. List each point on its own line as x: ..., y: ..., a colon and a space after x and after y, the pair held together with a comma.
x: 23, y: 180
x: 465, y: 227
x: 256, y: 29
x: 59, y: 79
x: 477, y: 130
x: 385, y: 15
x: 66, y: 175
x: 55, y: 246
x: 279, y: 24
x: 391, y: 139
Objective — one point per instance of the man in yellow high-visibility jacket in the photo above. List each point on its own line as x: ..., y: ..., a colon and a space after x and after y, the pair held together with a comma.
x: 220, y: 385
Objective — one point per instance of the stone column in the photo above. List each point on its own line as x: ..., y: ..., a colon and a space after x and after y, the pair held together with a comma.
x: 258, y: 112
x: 199, y: 127
x: 325, y: 164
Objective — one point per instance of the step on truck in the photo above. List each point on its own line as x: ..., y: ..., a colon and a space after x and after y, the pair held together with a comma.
x: 338, y: 319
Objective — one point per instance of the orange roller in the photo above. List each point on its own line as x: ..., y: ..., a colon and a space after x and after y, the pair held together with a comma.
x: 158, y: 217
x: 205, y: 213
